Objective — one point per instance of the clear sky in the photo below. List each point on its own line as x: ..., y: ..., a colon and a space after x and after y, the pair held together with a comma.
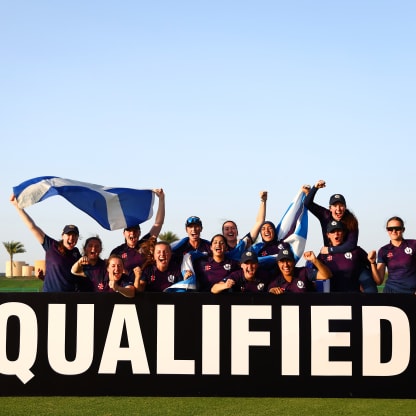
x: 213, y: 101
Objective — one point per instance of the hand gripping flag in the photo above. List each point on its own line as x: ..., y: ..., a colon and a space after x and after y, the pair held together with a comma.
x: 292, y: 229
x: 112, y: 208
x: 185, y: 285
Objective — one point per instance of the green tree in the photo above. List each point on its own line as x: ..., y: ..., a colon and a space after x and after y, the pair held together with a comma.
x: 169, y: 237
x: 13, y: 247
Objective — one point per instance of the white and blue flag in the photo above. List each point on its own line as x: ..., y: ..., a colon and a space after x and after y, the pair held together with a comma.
x: 112, y: 207
x: 185, y: 285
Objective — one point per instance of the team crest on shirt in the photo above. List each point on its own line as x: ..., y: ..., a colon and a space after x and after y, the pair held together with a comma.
x: 348, y: 255
x: 207, y: 267
x: 408, y: 250
x: 300, y: 284
x: 171, y: 278
x: 260, y: 287
x: 329, y: 257
x: 389, y: 255
x: 227, y: 266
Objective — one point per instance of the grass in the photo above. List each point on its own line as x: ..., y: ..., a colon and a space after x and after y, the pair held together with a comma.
x: 201, y: 406
x: 20, y: 284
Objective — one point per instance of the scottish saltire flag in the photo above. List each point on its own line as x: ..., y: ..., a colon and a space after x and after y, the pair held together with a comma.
x: 187, y: 285
x: 292, y: 229
x: 112, y: 208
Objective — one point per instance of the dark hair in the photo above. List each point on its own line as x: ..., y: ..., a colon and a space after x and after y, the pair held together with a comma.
x: 225, y: 222
x: 396, y: 219
x: 349, y: 220
x: 219, y: 235
x: 91, y: 239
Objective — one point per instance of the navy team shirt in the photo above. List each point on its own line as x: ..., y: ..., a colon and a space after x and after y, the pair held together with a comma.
x: 301, y: 281
x: 401, y: 266
x: 258, y: 284
x: 208, y: 271
x: 157, y: 281
x: 58, y: 276
x: 346, y: 269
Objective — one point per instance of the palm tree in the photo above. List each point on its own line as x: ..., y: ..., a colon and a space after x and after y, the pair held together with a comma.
x: 169, y: 237
x: 13, y: 247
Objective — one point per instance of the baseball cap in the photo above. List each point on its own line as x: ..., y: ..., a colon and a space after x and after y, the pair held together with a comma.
x: 70, y: 229
x: 193, y: 221
x: 249, y: 256
x: 334, y: 225
x: 133, y: 228
x: 337, y: 198
x: 285, y: 254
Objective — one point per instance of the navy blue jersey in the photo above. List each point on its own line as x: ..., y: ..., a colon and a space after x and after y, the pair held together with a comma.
x: 58, y: 276
x: 324, y: 216
x: 183, y: 247
x: 208, y: 271
x: 259, y: 283
x: 96, y: 279
x: 346, y: 269
x: 132, y: 257
x: 158, y: 281
x: 301, y: 282
x: 401, y: 266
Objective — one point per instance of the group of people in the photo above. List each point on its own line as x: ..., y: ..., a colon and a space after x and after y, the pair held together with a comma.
x: 228, y: 264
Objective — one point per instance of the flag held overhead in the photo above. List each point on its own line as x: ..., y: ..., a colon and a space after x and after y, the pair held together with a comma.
x: 113, y: 208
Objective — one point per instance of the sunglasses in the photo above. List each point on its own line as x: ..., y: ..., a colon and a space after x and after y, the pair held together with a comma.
x: 394, y: 229
x: 193, y: 220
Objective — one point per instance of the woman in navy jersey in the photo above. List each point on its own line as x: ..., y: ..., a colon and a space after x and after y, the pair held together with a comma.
x: 216, y: 266
x: 398, y: 257
x: 130, y: 251
x: 338, y: 211
x: 249, y: 278
x: 92, y: 267
x: 161, y: 273
x: 59, y: 255
x: 118, y: 281
x: 297, y: 279
x: 346, y: 267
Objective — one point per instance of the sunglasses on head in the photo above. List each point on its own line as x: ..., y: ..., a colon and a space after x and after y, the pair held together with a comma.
x: 394, y: 228
x: 193, y: 220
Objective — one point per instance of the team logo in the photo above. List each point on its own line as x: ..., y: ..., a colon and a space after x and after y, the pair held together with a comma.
x: 227, y: 266
x: 152, y: 278
x: 171, y: 278
x: 408, y: 250
x: 389, y: 255
x: 329, y: 257
x: 348, y: 255
x: 207, y: 267
x: 260, y: 287
x: 300, y: 284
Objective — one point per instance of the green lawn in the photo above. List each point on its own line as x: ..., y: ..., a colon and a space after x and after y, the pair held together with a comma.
x: 20, y: 284
x: 201, y: 406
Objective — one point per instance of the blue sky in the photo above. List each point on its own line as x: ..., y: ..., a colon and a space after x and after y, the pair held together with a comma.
x: 214, y: 102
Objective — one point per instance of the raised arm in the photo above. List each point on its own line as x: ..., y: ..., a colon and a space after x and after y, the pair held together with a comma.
x: 37, y: 232
x: 378, y: 270
x: 261, y: 216
x: 323, y: 271
x: 160, y: 214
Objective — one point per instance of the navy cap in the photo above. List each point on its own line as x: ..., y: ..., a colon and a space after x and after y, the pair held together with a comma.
x: 68, y: 229
x: 249, y: 256
x: 337, y: 198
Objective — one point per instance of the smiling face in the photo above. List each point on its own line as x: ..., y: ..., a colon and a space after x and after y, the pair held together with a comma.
x: 249, y: 269
x: 336, y: 237
x: 70, y: 240
x: 267, y: 232
x: 229, y: 229
x: 194, y: 232
x: 93, y: 248
x: 162, y: 256
x: 337, y: 210
x: 395, y: 230
x: 218, y: 246
x: 287, y: 267
x: 115, y: 268
x: 132, y: 237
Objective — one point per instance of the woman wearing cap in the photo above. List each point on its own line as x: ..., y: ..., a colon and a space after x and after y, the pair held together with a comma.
x: 338, y: 211
x: 132, y: 250
x: 297, y: 279
x: 59, y: 255
x: 346, y: 267
x: 398, y: 258
x: 249, y: 278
